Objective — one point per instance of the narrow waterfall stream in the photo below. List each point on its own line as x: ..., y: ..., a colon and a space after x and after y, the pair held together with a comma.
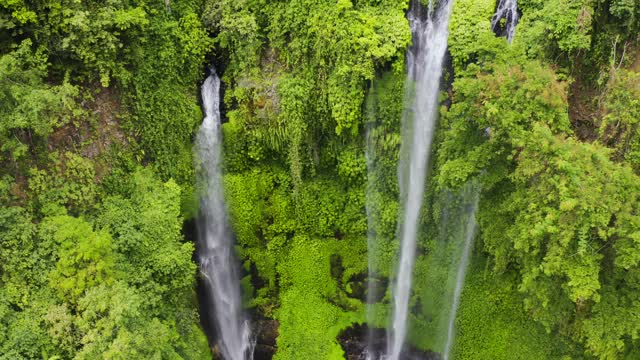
x: 471, y: 196
x: 215, y: 243
x: 507, y: 10
x: 371, y: 286
x: 425, y: 57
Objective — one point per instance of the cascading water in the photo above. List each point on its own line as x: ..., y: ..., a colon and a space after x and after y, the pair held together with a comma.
x: 374, y: 199
x: 371, y: 288
x: 424, y: 62
x: 507, y: 10
x: 215, y: 243
x: 471, y: 200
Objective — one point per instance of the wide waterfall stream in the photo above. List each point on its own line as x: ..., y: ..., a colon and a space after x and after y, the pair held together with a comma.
x: 215, y: 242
x: 425, y: 57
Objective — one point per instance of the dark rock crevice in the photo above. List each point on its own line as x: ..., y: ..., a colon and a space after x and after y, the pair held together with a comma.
x: 354, y: 342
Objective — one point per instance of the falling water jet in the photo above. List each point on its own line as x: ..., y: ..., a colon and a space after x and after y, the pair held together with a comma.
x: 471, y: 199
x: 371, y: 288
x: 424, y: 61
x: 507, y: 10
x: 373, y: 174
x: 215, y: 243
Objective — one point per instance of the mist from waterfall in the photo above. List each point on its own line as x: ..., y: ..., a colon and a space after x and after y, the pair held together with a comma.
x: 507, y: 10
x: 429, y: 28
x: 215, y: 242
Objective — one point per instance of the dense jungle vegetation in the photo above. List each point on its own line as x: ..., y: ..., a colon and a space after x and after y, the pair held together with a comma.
x: 99, y: 105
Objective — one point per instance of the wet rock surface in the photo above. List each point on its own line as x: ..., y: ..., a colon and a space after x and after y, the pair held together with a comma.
x: 266, y: 332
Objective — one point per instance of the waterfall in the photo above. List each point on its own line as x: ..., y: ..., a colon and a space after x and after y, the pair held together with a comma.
x: 424, y: 62
x: 471, y: 200
x: 215, y: 243
x: 507, y: 10
x: 369, y: 204
x: 373, y: 201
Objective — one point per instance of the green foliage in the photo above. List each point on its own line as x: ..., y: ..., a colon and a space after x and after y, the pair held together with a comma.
x: 436, y: 269
x: 114, y: 326
x: 146, y: 224
x: 85, y: 258
x: 20, y: 14
x: 626, y: 14
x: 470, y: 35
x: 164, y: 111
x: 260, y: 209
x: 491, y: 323
x: 237, y: 28
x: 553, y: 205
x: 306, y: 235
x: 92, y: 260
x: 29, y: 107
x: 557, y: 217
x: 613, y: 328
x: 25, y: 336
x: 352, y: 166
x: 291, y: 239
x: 69, y: 182
x: 570, y: 210
x: 102, y: 287
x: 384, y: 108
x: 619, y: 127
x: 550, y: 29
x: 100, y: 36
x: 486, y: 128
x: 152, y: 53
x: 306, y: 285
x: 556, y: 213
x: 16, y: 247
x: 293, y: 91
x: 322, y: 92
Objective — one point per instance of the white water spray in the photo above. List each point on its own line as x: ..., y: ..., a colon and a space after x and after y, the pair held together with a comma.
x: 424, y: 62
x: 507, y: 10
x: 215, y: 243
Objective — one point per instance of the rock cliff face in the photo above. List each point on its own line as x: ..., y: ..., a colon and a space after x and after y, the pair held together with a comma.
x: 266, y: 331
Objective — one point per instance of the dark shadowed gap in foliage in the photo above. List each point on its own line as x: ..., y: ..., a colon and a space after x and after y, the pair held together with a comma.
x: 257, y: 281
x: 357, y: 287
x: 380, y: 284
x: 448, y: 76
x: 354, y: 342
x: 337, y: 269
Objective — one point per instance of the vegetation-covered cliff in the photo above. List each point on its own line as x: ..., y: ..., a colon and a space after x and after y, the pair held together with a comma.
x: 99, y: 106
